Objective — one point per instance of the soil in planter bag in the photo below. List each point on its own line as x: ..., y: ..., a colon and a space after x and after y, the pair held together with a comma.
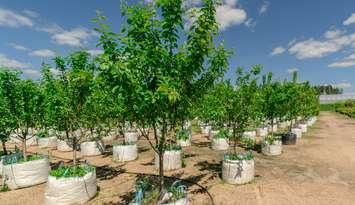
x: 72, y: 190
x: 26, y: 174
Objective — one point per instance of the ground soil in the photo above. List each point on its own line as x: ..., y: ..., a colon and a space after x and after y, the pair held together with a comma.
x: 320, y: 169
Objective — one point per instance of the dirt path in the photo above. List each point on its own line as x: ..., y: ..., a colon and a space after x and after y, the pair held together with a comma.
x: 320, y: 169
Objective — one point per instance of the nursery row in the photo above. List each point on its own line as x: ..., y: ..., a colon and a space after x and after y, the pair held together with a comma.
x: 154, y: 78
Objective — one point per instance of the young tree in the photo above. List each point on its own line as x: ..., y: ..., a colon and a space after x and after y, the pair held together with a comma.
x: 272, y: 99
x: 243, y: 104
x: 161, y: 72
x: 27, y: 101
x: 8, y: 95
x: 68, y: 95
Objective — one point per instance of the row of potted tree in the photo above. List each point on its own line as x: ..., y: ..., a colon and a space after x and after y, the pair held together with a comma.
x: 152, y: 79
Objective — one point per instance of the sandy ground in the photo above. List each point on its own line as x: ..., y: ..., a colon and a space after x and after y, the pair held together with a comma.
x: 320, y: 169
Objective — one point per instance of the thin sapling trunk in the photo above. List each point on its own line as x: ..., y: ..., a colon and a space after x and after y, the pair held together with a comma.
x: 3, y: 142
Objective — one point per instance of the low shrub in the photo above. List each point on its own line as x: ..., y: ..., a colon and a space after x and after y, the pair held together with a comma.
x: 222, y: 134
x: 270, y: 139
x: 17, y: 158
x: 172, y: 147
x: 42, y: 134
x: 239, y: 156
x: 71, y: 171
x: 247, y: 142
x: 183, y: 135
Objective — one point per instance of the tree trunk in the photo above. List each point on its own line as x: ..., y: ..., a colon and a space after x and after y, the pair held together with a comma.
x: 272, y: 127
x: 74, y: 151
x: 161, y: 171
x: 24, y: 148
x: 235, y: 138
x: 291, y: 125
x: 4, y: 147
x: 161, y: 157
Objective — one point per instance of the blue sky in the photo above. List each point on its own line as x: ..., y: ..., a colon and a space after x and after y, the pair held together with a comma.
x: 316, y: 37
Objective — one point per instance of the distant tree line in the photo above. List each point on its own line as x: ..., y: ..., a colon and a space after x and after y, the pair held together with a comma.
x: 328, y: 89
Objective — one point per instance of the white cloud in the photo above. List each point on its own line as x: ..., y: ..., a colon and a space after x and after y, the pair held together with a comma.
x: 228, y: 14
x: 349, y: 20
x: 250, y: 23
x: 19, y: 47
x: 342, y: 85
x: 292, y: 70
x: 11, y: 63
x: 231, y: 2
x: 277, y: 51
x: 95, y: 52
x: 348, y: 61
x: 31, y: 73
x: 264, y: 7
x: 342, y: 64
x: 45, y: 53
x: 75, y: 37
x: 51, y: 28
x: 55, y: 71
x: 331, y: 34
x: 12, y: 19
x: 31, y: 13
x: 350, y: 57
x: 313, y: 48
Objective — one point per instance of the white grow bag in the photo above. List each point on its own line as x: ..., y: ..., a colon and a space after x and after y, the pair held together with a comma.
x: 131, y: 136
x: 72, y: 190
x: 297, y: 131
x: 274, y: 129
x: 262, y: 131
x: 172, y: 160
x: 63, y: 146
x: 273, y: 149
x: 238, y: 171
x: 47, y: 142
x: 220, y: 144
x: 303, y: 127
x: 250, y: 134
x: 205, y: 129
x: 92, y: 148
x: 184, y: 143
x: 31, y: 140
x: 283, y: 124
x: 123, y: 153
x: 212, y: 133
x: 26, y: 174
x: 1, y: 166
